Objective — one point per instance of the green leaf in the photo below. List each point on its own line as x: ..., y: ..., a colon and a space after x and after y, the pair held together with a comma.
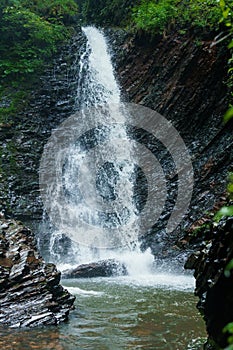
x: 228, y: 115
x: 222, y: 4
x: 230, y: 45
x: 226, y: 13
x: 224, y: 211
x: 230, y: 188
x: 229, y: 327
x: 230, y: 340
x: 227, y: 273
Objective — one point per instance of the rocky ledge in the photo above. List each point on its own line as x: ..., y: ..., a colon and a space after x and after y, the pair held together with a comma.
x: 30, y: 290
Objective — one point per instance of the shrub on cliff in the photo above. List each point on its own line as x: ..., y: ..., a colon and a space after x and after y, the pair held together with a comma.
x: 30, y: 32
x: 155, y: 16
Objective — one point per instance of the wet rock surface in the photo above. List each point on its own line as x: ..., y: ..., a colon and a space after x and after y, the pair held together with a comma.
x: 30, y: 290
x: 102, y: 268
x: 22, y: 139
x: 184, y: 81
x: 213, y: 281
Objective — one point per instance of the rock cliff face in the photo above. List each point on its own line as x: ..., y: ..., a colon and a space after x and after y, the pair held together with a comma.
x: 183, y: 80
x: 30, y: 292
x: 22, y: 139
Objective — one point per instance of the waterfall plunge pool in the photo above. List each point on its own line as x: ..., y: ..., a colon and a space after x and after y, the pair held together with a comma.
x: 121, y: 313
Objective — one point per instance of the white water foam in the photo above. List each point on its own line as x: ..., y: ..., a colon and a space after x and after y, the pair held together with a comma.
x: 84, y: 292
x: 153, y: 281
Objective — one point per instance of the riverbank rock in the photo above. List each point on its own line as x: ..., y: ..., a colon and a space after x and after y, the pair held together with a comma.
x: 102, y: 268
x: 30, y: 290
x: 214, y: 280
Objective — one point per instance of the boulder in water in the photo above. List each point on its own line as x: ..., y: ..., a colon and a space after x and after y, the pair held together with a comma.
x: 30, y: 290
x: 102, y: 268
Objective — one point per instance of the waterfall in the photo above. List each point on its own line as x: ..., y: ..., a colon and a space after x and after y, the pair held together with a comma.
x: 103, y: 160
x: 97, y: 85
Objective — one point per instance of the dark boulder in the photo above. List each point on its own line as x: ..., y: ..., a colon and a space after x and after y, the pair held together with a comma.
x: 102, y: 268
x: 30, y: 290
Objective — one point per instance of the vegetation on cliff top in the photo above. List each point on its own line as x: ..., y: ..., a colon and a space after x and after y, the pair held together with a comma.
x: 160, y: 15
x: 153, y: 16
x: 30, y: 33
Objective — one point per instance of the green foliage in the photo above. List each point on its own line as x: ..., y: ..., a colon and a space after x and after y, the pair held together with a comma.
x: 11, y: 102
x: 230, y: 185
x: 226, y: 8
x: 202, y: 229
x: 228, y: 268
x: 30, y: 33
x: 229, y: 330
x: 200, y: 13
x: 224, y: 211
x: 54, y: 10
x: 228, y: 115
x: 227, y: 19
x: 155, y: 16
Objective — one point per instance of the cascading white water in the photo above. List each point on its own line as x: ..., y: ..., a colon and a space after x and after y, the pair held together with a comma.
x: 111, y: 186
x: 98, y: 88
